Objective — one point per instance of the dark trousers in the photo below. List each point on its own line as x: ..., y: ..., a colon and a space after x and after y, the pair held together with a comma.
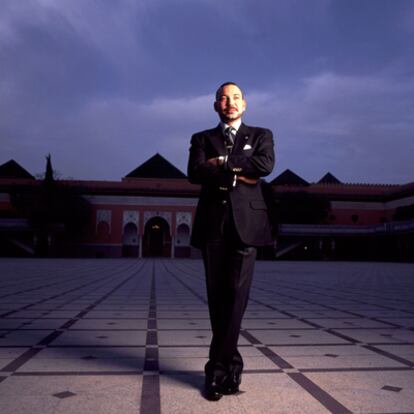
x: 229, y: 266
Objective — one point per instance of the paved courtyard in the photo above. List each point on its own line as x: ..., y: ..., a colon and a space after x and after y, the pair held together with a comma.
x: 131, y: 336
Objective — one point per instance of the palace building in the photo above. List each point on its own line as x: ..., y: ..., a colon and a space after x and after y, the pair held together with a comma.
x: 150, y: 212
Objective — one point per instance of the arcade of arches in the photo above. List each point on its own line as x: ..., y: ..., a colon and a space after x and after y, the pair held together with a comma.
x: 156, y: 241
x: 157, y: 238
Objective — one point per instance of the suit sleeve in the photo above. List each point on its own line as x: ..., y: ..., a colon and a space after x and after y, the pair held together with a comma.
x: 201, y: 172
x: 258, y: 164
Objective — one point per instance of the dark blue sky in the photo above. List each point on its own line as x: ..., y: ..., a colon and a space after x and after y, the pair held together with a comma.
x: 103, y: 85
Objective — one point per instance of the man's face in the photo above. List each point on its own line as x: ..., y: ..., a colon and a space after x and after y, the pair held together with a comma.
x: 230, y: 104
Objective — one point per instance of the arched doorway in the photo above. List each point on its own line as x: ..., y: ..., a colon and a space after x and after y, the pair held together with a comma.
x: 183, y: 235
x: 130, y: 247
x: 102, y: 232
x: 157, y: 238
x: 182, y: 241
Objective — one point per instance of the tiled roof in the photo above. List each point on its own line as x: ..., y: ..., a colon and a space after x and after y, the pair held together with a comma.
x: 156, y: 167
x: 11, y: 169
x: 288, y: 177
x: 328, y: 178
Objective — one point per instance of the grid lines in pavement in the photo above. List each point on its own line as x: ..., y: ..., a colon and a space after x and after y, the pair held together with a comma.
x: 319, y: 337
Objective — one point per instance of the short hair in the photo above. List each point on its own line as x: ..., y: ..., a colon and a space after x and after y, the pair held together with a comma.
x: 223, y: 85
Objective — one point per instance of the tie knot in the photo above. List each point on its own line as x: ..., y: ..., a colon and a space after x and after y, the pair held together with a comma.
x: 230, y: 132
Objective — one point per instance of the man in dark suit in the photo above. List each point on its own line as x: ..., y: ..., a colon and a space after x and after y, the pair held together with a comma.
x: 230, y: 222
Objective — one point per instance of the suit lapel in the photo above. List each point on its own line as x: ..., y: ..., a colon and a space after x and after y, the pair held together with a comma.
x: 217, y: 140
x: 242, y: 138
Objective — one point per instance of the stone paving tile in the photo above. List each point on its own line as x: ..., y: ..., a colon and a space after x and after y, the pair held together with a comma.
x: 348, y: 323
x: 196, y: 314
x: 175, y: 307
x: 320, y: 314
x: 339, y: 357
x: 295, y: 336
x: 110, y: 336
x: 24, y: 314
x: 379, y: 335
x: 96, y: 337
x: 381, y: 313
x: 363, y: 392
x: 407, y: 322
x: 273, y: 323
x: 276, y: 393
x: 189, y: 364
x: 24, y: 337
x: 132, y: 311
x: 93, y: 394
x: 45, y: 323
x: 113, y: 324
x: 263, y: 314
x: 117, y: 314
x: 183, y: 323
x: 187, y: 337
x: 7, y: 355
x: 405, y: 351
x: 86, y: 360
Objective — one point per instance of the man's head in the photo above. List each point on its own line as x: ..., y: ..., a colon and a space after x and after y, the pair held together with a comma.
x: 229, y: 103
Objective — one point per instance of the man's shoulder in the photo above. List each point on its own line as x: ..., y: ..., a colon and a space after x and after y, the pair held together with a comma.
x: 244, y: 128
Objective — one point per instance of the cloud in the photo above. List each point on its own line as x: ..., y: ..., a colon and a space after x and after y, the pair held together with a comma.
x: 130, y: 132
x: 104, y: 138
x: 407, y: 19
x: 270, y: 13
x: 354, y: 126
x: 105, y: 85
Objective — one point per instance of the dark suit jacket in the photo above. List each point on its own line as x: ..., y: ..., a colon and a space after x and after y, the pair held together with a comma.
x: 253, y: 157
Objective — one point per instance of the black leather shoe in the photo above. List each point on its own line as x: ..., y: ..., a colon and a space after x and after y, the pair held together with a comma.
x: 231, y: 384
x: 212, y: 389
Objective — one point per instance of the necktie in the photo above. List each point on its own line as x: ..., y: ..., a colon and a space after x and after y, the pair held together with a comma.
x: 229, y: 134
